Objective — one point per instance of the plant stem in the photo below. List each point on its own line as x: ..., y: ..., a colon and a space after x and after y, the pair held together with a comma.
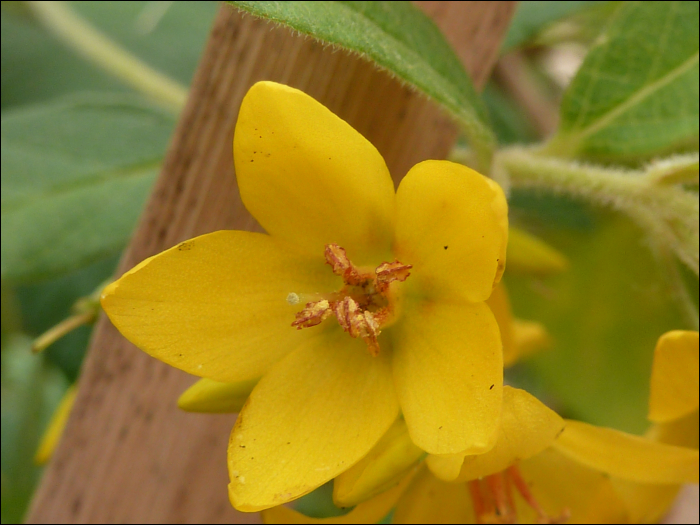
x: 66, y: 326
x: 668, y: 212
x: 96, y: 47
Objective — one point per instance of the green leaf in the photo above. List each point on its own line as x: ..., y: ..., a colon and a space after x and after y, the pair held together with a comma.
x: 604, y: 314
x: 75, y: 175
x: 31, y: 390
x: 636, y: 94
x: 398, y: 37
x: 509, y: 121
x: 531, y: 18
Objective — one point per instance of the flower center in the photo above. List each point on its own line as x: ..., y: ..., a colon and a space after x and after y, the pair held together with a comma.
x: 493, y: 499
x: 363, y: 305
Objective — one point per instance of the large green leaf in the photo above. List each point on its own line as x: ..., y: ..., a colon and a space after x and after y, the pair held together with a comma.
x: 75, y: 175
x: 604, y: 314
x: 399, y: 38
x: 636, y: 94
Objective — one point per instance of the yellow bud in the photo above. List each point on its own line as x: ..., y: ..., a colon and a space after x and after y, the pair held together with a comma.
x: 207, y: 395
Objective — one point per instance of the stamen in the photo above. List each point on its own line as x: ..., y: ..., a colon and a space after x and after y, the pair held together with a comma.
x: 524, y: 490
x: 480, y: 508
x: 342, y: 266
x: 358, y: 323
x: 313, y: 314
x: 493, y: 500
x: 506, y: 513
x: 362, y: 306
x: 392, y: 271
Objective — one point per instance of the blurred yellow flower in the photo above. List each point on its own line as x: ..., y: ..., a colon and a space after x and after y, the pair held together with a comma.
x: 397, y: 324
x: 673, y: 407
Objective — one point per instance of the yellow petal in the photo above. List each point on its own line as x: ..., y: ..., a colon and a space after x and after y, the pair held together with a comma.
x: 683, y: 432
x: 384, y: 467
x: 628, y: 457
x: 674, y: 376
x: 54, y: 430
x: 448, y: 368
x: 207, y: 395
x: 646, y: 502
x: 314, y: 415
x: 500, y: 306
x: 452, y: 226
x: 527, y: 428
x: 528, y: 254
x: 308, y: 177
x: 216, y: 306
x: 561, y: 484
x: 368, y: 512
x: 429, y: 500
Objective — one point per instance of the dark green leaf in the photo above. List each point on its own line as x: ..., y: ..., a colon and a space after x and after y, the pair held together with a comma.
x: 636, y: 94
x: 48, y: 303
x: 75, y: 175
x: 398, y: 37
x: 509, y: 122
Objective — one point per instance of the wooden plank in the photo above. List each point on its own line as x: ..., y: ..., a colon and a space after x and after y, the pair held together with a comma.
x: 128, y: 455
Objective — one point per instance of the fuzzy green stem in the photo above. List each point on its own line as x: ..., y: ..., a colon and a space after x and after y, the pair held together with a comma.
x: 668, y: 212
x: 96, y: 47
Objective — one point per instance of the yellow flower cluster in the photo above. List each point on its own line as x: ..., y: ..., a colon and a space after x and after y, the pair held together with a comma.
x: 363, y: 339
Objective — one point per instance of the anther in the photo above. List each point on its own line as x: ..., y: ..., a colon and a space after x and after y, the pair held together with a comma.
x: 392, y: 271
x: 342, y: 266
x: 358, y: 322
x: 362, y: 306
x: 313, y: 314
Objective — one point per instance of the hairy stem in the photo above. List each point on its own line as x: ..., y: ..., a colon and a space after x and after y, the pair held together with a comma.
x: 667, y: 212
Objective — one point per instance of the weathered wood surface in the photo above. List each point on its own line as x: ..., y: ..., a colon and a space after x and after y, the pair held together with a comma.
x: 128, y: 455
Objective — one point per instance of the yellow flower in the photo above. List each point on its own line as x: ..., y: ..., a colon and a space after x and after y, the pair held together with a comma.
x: 397, y: 323
x: 536, y: 473
x: 673, y: 407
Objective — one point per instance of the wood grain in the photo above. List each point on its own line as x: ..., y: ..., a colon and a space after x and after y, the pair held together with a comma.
x: 128, y: 455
